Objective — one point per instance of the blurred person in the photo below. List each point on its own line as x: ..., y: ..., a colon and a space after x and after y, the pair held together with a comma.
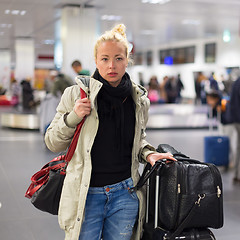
x: 233, y: 116
x: 163, y: 92
x: 95, y: 200
x: 15, y: 90
x: 179, y: 87
x: 199, y: 88
x: 77, y: 67
x: 171, y: 90
x: 213, y: 84
x: 61, y: 82
x: 49, y: 81
x: 2, y: 90
x: 27, y: 94
x: 230, y: 114
x: 227, y: 82
x: 208, y: 85
x: 154, y: 90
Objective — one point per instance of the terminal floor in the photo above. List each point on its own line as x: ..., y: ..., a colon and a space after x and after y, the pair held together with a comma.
x: 23, y: 152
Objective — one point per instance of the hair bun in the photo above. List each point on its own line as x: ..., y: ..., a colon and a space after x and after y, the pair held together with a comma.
x: 120, y: 28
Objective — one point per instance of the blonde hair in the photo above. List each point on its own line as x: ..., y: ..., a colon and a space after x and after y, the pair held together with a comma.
x: 116, y: 34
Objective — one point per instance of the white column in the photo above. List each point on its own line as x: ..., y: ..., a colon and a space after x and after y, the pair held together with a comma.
x: 78, y: 36
x: 25, y: 58
x: 5, y: 68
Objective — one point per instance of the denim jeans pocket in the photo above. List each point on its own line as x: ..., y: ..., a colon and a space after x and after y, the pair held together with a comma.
x: 133, y: 195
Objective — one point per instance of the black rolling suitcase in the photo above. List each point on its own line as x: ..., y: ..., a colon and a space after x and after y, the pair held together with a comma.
x: 190, y: 193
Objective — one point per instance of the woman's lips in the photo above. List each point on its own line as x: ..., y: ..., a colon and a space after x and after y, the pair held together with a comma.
x: 112, y: 74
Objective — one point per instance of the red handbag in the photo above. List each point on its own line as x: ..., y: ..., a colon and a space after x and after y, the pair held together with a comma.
x: 46, y: 185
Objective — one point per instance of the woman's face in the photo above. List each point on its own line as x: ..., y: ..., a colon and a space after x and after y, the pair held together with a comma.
x: 111, y: 61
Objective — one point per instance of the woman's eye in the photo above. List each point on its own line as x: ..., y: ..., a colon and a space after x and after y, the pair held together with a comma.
x: 104, y: 59
x: 119, y: 59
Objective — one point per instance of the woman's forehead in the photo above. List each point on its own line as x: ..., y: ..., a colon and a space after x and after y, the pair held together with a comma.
x: 111, y: 46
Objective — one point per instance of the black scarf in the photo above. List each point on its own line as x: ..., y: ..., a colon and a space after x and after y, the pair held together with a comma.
x: 110, y: 102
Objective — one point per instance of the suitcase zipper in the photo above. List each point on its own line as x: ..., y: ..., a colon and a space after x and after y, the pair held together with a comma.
x: 179, y: 188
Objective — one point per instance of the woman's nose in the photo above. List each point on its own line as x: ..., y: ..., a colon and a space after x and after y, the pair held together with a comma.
x: 112, y: 64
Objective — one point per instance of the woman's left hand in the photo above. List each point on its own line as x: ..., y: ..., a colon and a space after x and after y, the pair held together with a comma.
x: 153, y: 157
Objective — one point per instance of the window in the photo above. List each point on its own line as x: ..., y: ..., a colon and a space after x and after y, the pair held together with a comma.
x: 177, y: 55
x: 210, y: 52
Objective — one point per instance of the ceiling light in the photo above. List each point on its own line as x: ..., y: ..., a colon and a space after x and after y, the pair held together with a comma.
x: 148, y: 32
x: 15, y: 12
x: 226, y: 36
x: 23, y: 12
x: 156, y: 1
x: 190, y: 22
x: 49, y: 42
x: 5, y: 25
x: 111, y: 18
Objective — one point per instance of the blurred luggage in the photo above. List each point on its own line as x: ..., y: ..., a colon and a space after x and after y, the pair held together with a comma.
x: 216, y: 147
x: 47, y: 111
x: 216, y: 150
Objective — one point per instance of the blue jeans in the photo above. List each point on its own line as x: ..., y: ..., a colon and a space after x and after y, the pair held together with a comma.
x: 110, y: 212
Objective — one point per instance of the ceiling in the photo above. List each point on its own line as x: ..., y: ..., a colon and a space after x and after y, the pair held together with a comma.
x: 147, y: 24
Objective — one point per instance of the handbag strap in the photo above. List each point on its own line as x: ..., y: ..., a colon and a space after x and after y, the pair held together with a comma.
x: 73, y: 144
x: 41, y: 177
x: 187, y: 219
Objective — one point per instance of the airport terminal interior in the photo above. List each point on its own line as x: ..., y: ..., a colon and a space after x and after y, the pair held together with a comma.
x: 168, y: 39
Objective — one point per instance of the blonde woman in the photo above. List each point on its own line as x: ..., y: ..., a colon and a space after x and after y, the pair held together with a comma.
x: 95, y: 202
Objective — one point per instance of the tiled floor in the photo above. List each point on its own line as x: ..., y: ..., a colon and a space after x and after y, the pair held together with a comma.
x: 23, y: 152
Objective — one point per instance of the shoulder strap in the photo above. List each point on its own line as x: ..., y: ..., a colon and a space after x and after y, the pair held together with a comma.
x: 73, y: 144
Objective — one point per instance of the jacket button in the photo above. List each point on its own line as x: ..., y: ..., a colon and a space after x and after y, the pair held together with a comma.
x: 78, y: 219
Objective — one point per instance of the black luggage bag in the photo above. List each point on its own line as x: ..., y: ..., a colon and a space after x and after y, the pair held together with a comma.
x: 184, y: 198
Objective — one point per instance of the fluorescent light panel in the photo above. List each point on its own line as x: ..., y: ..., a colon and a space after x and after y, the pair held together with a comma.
x: 156, y: 1
x: 15, y: 12
x: 111, y: 18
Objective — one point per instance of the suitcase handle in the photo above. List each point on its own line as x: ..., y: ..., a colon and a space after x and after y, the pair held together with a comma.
x: 148, y: 171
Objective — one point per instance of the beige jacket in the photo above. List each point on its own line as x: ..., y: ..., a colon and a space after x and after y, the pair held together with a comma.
x: 76, y: 183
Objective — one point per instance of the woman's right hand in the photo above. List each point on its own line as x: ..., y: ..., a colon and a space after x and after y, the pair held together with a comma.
x: 82, y: 107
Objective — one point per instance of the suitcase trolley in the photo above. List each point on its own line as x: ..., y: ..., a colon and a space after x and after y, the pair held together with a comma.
x: 216, y: 147
x: 185, y: 216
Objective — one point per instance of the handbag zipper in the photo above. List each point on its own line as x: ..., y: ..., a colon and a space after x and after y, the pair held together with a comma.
x: 180, y: 190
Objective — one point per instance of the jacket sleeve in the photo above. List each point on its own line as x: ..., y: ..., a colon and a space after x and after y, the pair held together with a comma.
x: 61, y: 130
x: 145, y: 147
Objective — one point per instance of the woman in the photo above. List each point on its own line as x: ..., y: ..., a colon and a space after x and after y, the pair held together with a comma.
x: 95, y: 200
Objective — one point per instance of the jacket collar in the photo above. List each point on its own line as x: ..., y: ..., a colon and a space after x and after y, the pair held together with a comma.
x: 90, y: 84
